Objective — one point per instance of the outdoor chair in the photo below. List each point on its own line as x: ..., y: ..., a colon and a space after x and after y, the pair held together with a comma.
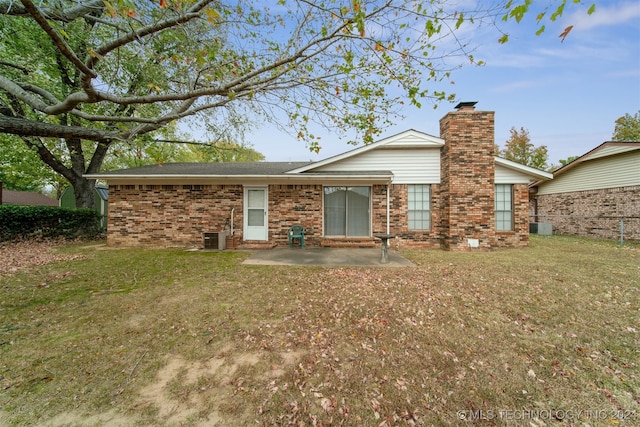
x: 296, y: 232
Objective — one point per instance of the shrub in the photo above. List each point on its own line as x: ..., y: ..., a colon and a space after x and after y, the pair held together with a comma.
x: 20, y: 222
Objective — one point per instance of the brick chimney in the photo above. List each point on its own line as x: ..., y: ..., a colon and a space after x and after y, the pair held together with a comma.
x: 467, y: 178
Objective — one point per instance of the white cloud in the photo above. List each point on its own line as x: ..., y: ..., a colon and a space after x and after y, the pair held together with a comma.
x: 614, y: 47
x: 585, y: 52
x: 604, y: 16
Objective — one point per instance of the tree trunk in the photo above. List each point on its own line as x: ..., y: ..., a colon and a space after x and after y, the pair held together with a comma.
x: 83, y: 188
x: 84, y: 191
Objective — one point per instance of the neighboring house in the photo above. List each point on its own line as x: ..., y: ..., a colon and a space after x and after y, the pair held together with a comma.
x: 100, y: 201
x: 589, y: 196
x: 449, y: 192
x: 26, y: 198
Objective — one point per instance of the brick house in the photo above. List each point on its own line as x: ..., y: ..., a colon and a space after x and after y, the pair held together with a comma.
x: 589, y: 196
x: 449, y: 192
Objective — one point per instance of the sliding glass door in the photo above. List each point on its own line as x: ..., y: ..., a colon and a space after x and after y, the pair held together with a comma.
x: 347, y: 211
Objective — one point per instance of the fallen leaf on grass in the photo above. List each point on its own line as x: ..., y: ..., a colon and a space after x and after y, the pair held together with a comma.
x: 327, y: 404
x: 18, y: 256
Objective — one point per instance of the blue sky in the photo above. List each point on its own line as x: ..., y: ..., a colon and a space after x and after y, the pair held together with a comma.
x: 566, y: 94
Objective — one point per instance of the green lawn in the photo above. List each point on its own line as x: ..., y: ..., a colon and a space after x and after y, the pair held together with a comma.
x: 539, y: 336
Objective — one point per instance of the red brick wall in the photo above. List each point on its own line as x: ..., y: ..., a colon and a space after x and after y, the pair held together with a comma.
x: 399, y: 219
x: 295, y: 204
x: 593, y: 213
x: 303, y: 204
x: 379, y: 209
x: 171, y: 215
x: 179, y: 215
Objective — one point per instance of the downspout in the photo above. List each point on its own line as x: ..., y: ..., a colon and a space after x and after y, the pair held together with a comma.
x: 103, y: 214
x: 388, y: 208
x: 231, y: 232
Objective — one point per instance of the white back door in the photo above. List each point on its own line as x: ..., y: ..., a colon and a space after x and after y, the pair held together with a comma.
x: 255, y: 213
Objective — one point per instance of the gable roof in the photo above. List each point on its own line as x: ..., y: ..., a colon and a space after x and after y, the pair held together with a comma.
x: 26, y: 198
x: 278, y: 171
x: 606, y: 149
x: 408, y: 139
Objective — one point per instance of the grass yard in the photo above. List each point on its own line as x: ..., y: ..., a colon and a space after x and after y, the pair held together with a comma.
x: 548, y: 335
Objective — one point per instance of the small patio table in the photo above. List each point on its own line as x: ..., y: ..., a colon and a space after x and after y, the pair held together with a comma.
x: 384, y: 256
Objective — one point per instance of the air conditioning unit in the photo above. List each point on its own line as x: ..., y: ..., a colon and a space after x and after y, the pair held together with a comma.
x: 541, y: 228
x: 216, y: 240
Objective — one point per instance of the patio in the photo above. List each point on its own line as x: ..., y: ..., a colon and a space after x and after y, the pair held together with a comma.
x: 365, y: 257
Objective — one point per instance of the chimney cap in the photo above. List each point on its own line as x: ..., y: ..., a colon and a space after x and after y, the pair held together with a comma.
x: 469, y: 105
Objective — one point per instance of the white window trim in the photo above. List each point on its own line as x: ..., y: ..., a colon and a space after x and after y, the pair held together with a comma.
x: 429, y: 210
x: 511, y: 210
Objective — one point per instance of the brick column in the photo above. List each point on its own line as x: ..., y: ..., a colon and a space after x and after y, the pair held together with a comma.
x: 467, y: 179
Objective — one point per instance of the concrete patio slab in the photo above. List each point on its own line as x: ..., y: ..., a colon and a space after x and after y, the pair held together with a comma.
x: 369, y: 257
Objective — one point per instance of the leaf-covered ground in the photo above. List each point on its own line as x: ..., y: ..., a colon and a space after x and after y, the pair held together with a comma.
x: 16, y: 256
x: 548, y: 335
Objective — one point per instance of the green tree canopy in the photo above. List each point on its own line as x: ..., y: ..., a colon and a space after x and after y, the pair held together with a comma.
x: 220, y: 151
x: 563, y: 162
x: 519, y: 148
x: 568, y: 160
x: 93, y: 74
x: 140, y: 153
x: 22, y: 170
x: 627, y: 128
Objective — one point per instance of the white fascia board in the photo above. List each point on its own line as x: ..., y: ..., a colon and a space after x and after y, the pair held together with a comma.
x: 536, y: 173
x: 431, y: 141
x: 243, y: 179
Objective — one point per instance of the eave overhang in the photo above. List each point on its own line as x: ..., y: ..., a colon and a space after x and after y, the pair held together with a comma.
x: 307, y: 178
x: 533, y: 172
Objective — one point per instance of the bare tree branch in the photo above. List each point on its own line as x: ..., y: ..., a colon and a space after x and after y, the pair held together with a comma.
x: 47, y: 156
x: 25, y: 127
x: 10, y: 87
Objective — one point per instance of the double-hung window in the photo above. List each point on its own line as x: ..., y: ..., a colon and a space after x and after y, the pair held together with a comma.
x: 347, y: 211
x: 419, y: 203
x: 504, y: 207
